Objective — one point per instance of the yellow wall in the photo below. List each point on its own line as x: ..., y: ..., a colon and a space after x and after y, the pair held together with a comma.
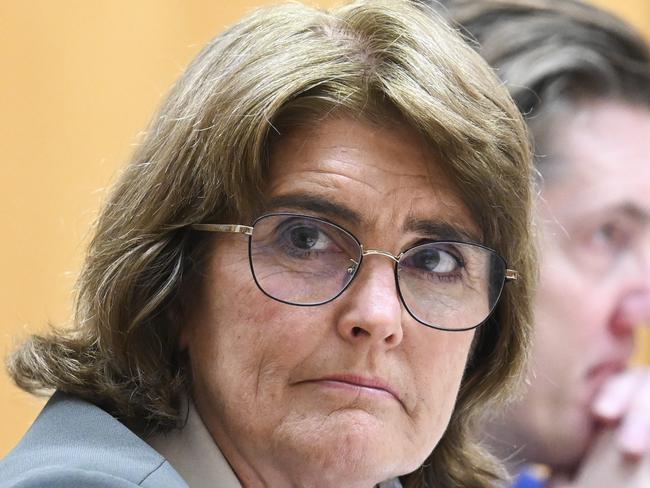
x: 637, y: 12
x: 79, y: 80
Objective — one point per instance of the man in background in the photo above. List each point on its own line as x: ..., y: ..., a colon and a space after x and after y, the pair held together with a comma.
x: 582, y: 80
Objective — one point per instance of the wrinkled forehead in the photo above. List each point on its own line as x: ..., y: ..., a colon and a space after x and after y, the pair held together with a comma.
x: 367, y: 175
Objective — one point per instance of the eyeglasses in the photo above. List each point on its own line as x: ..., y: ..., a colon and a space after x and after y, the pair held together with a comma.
x: 308, y: 261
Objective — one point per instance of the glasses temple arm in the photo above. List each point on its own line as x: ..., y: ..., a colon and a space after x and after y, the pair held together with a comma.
x: 235, y: 229
x: 511, y: 275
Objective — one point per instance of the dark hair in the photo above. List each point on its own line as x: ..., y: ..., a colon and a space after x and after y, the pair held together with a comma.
x: 555, y: 55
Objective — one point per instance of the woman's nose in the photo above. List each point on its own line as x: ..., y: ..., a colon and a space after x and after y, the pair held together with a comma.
x: 371, y: 310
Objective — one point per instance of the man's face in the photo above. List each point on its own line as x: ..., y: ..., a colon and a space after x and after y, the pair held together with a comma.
x: 280, y: 387
x: 595, y: 275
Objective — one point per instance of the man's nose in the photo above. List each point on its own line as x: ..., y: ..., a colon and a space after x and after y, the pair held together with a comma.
x: 634, y: 311
x: 371, y: 310
x: 634, y: 307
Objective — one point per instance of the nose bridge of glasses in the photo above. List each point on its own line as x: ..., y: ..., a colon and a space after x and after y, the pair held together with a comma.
x: 369, y: 252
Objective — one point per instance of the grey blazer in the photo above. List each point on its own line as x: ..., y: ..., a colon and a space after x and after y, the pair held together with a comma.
x: 74, y: 443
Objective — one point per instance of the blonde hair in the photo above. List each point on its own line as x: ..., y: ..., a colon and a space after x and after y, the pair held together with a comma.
x: 205, y: 157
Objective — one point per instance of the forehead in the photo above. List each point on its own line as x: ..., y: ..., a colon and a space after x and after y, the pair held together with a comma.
x: 386, y: 175
x: 603, y: 152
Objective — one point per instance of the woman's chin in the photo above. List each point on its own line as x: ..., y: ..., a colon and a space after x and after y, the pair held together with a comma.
x: 351, y: 443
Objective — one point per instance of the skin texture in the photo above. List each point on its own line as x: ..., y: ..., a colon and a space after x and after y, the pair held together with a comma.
x: 259, y: 366
x: 594, y: 290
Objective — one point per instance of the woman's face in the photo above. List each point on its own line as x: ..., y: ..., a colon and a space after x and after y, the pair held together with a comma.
x: 348, y: 393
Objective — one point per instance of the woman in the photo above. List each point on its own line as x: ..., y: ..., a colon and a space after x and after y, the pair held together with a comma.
x: 286, y: 285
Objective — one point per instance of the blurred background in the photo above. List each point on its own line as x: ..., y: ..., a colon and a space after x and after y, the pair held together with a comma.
x: 79, y: 81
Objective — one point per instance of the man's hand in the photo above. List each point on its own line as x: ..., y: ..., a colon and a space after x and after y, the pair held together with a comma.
x: 624, y: 401
x: 621, y: 455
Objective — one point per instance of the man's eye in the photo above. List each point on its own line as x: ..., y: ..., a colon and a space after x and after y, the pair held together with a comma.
x: 610, y: 235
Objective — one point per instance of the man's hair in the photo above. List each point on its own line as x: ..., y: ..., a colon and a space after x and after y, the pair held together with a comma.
x: 205, y: 158
x: 554, y: 57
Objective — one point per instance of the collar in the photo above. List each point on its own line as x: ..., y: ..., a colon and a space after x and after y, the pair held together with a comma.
x: 194, y: 454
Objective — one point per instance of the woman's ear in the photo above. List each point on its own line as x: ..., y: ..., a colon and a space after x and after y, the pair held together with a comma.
x: 177, y: 317
x: 182, y: 312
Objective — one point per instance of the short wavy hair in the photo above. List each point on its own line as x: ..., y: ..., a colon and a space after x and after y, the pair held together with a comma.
x: 205, y: 158
x: 554, y: 56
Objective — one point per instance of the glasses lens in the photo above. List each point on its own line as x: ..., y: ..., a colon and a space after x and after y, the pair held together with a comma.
x: 450, y: 285
x: 302, y: 260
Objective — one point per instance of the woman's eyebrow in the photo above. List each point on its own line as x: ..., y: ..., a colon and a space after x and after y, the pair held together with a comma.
x: 440, y: 230
x: 314, y: 203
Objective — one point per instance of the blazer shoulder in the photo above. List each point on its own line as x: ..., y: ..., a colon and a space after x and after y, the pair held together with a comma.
x: 72, y: 438
x: 60, y: 477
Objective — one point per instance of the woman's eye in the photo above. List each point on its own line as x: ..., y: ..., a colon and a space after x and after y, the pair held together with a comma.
x: 308, y: 238
x: 435, y: 261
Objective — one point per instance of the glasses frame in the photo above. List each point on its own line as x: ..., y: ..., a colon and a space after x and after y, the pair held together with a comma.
x: 509, y: 274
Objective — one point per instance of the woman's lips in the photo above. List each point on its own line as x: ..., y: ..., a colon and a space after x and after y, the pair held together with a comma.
x: 360, y: 385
